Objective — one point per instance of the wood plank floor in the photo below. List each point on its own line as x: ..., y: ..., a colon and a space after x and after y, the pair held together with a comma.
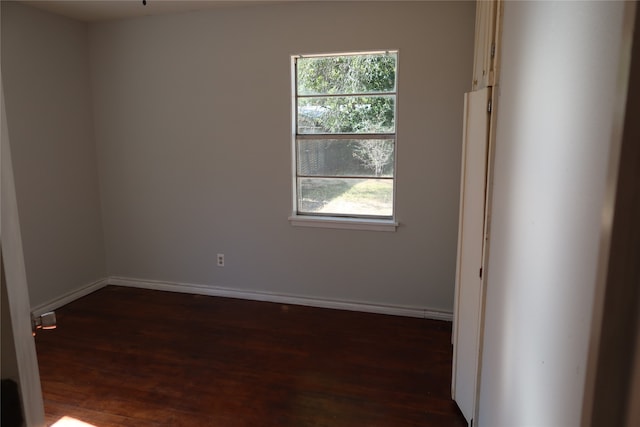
x: 132, y: 357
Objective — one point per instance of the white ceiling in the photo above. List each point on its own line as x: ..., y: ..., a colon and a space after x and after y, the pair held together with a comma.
x: 102, y: 10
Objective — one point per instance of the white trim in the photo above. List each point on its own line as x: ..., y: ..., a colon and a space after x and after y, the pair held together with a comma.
x: 198, y: 289
x: 69, y: 297
x: 361, y: 52
x: 344, y: 223
x: 322, y: 221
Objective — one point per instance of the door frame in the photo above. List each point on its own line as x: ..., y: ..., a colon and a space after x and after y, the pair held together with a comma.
x: 612, y: 379
x: 16, y: 283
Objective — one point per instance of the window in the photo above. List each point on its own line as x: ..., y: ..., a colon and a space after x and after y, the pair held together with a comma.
x: 345, y: 135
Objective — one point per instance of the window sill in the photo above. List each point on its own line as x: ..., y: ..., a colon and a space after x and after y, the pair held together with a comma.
x: 343, y: 223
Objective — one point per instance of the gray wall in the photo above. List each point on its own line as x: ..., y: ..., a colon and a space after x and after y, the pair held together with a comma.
x: 192, y: 118
x: 45, y: 72
x: 555, y: 108
x: 192, y: 126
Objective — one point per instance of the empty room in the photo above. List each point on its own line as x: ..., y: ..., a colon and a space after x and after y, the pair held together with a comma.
x: 275, y: 213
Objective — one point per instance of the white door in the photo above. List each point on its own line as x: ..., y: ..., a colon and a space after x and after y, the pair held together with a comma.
x: 468, y: 299
x: 15, y: 280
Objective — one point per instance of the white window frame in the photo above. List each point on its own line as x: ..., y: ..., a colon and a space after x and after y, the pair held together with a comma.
x: 370, y: 223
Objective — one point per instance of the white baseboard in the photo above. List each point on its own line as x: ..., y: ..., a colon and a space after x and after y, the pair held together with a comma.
x: 190, y: 288
x: 69, y: 297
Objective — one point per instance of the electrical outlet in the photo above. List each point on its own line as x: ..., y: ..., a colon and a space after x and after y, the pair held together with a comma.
x: 220, y: 260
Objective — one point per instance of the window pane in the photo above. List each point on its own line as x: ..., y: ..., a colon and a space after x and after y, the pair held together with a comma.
x: 346, y: 157
x: 346, y: 114
x: 347, y: 74
x: 346, y: 196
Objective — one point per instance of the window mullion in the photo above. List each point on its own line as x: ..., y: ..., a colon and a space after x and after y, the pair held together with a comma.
x: 382, y: 178
x: 359, y: 136
x: 347, y: 95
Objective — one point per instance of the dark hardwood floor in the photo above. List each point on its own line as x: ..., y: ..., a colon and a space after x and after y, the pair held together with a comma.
x: 132, y: 357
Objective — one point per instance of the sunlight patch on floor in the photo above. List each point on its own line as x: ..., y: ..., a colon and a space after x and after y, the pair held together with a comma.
x: 71, y: 422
